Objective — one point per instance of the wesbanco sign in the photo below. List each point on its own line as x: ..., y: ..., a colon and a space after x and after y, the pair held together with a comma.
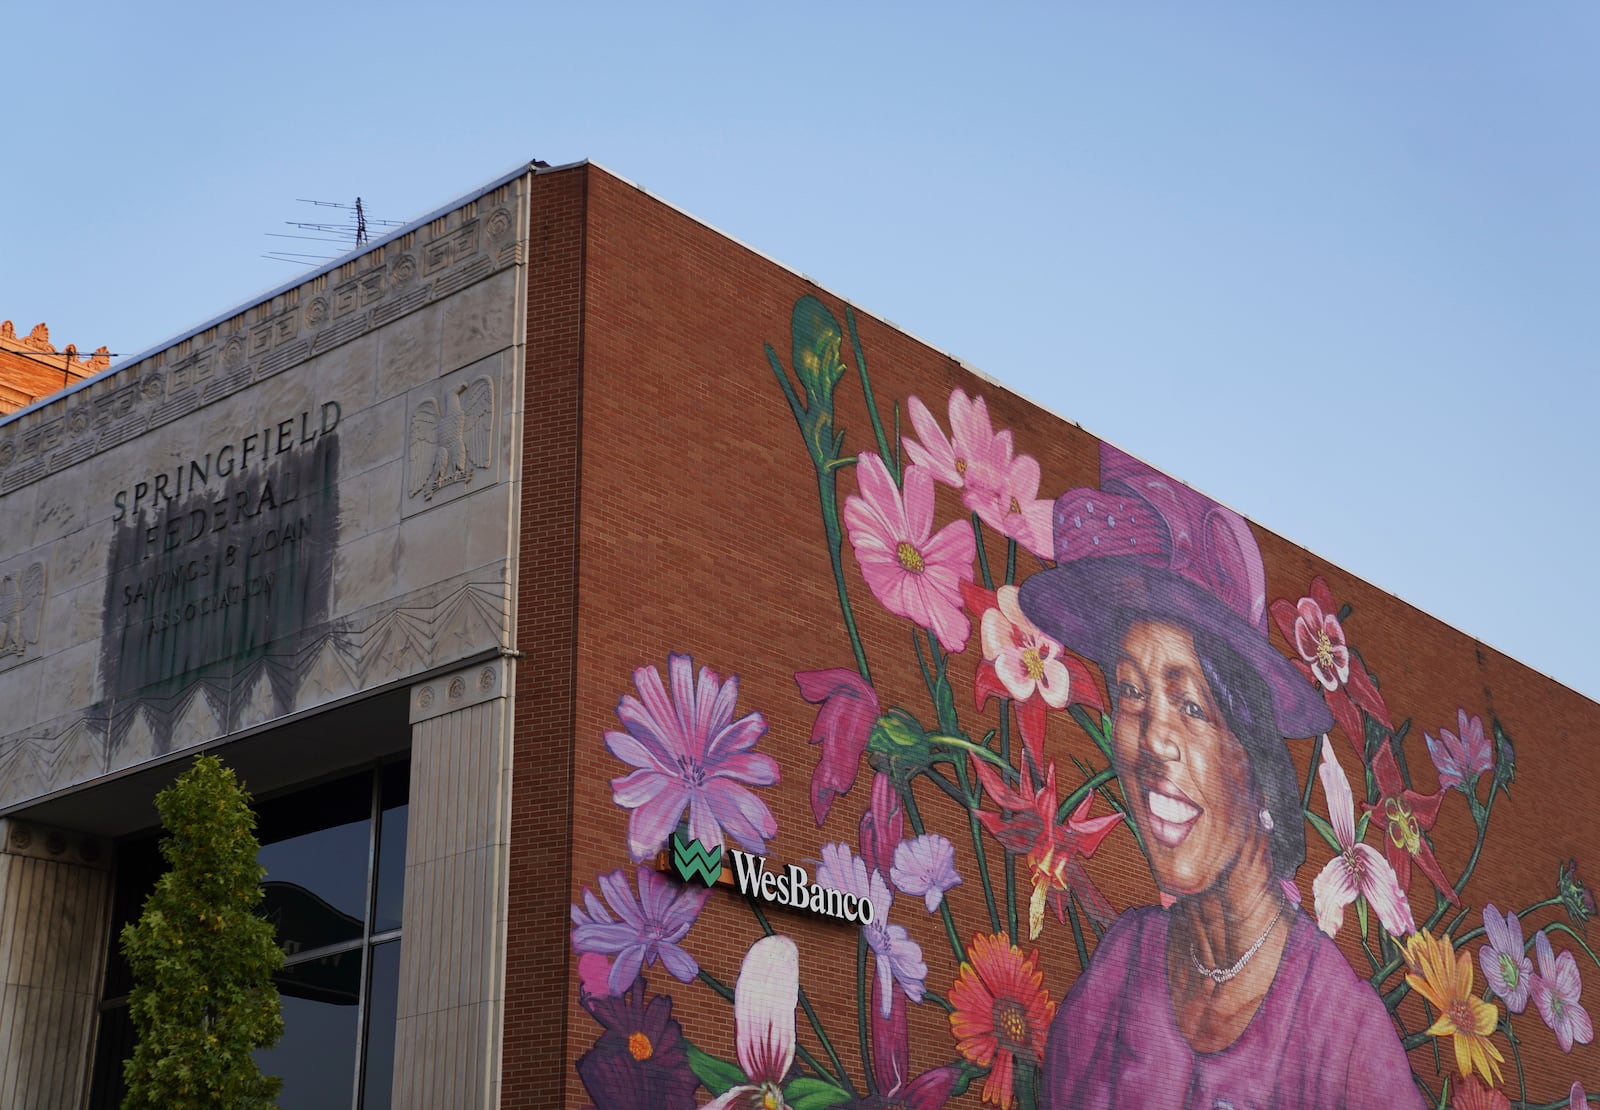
x: 789, y: 886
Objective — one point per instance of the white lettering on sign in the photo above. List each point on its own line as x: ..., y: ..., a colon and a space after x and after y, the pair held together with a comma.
x: 793, y: 887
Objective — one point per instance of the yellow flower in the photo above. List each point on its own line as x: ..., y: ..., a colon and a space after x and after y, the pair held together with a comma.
x: 1444, y: 977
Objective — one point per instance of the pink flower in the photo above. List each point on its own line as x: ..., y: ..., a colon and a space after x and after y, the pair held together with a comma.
x: 913, y: 572
x: 764, y: 999
x: 690, y: 754
x: 948, y: 461
x: 843, y: 724
x: 1578, y: 1099
x: 1557, y: 991
x: 1312, y: 626
x: 1359, y: 870
x: 1024, y: 664
x: 1002, y: 490
x: 1461, y: 756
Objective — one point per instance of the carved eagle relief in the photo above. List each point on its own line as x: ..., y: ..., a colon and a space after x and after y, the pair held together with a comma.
x: 21, y: 607
x: 450, y: 439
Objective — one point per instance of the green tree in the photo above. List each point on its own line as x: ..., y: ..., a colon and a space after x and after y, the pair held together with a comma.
x: 202, y: 959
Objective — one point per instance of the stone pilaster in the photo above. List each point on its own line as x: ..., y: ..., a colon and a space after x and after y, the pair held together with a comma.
x: 452, y: 956
x: 55, y: 892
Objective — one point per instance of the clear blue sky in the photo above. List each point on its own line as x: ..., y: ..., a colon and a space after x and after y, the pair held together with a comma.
x: 1336, y: 265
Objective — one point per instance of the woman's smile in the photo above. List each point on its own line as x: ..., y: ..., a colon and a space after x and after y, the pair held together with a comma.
x: 1171, y: 815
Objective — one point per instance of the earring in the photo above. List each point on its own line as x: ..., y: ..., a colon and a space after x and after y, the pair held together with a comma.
x: 1266, y: 819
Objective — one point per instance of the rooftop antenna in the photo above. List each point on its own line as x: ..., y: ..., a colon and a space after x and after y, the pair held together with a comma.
x: 351, y: 233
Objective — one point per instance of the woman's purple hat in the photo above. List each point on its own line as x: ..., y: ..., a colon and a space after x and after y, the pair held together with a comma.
x: 1144, y: 545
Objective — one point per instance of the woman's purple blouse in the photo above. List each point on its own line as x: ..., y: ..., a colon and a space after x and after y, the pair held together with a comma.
x: 1320, y: 1041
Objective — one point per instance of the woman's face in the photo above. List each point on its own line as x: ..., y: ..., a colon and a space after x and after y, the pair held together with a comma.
x: 1185, y: 774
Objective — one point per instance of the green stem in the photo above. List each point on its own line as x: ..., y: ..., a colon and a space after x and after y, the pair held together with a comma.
x: 938, y: 1000
x: 828, y: 492
x: 1472, y: 863
x: 863, y: 1004
x: 1011, y: 561
x: 1516, y: 1055
x: 978, y: 850
x: 1011, y: 859
x: 889, y: 458
x: 1077, y: 933
x: 983, y: 558
x: 1075, y: 799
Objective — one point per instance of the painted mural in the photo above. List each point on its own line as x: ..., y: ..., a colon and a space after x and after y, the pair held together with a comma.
x: 1125, y: 689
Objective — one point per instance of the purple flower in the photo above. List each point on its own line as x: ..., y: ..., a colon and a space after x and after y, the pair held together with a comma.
x: 899, y: 957
x: 1556, y: 992
x: 1461, y: 756
x: 649, y: 927
x: 1504, y: 961
x: 925, y: 867
x: 843, y: 724
x: 690, y: 753
x: 639, y: 1062
x: 1578, y: 1099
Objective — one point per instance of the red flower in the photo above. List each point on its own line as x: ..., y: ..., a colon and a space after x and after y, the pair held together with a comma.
x: 1405, y: 815
x: 1025, y: 665
x: 1312, y: 626
x: 843, y: 725
x: 1052, y: 850
x: 1000, y: 1013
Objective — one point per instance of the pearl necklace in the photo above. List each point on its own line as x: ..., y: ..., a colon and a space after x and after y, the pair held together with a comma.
x: 1220, y: 975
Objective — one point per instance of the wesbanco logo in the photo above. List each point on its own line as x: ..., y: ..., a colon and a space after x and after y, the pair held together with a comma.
x: 790, y: 886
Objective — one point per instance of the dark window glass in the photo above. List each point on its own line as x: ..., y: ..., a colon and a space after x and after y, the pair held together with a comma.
x: 139, y: 864
x: 316, y: 847
x: 113, y: 1045
x: 316, y: 1057
x: 392, y: 847
x: 383, y: 995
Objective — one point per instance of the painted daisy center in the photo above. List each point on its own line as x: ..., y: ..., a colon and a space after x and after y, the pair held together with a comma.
x: 1010, y: 1024
x: 639, y: 1046
x: 1324, y: 649
x: 692, y: 772
x: 1035, y: 665
x: 961, y: 466
x: 1461, y: 1014
x: 910, y: 558
x: 1509, y: 971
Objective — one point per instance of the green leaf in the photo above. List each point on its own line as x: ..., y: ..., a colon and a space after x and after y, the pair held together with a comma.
x: 807, y: 1093
x: 1361, y: 912
x: 719, y: 1076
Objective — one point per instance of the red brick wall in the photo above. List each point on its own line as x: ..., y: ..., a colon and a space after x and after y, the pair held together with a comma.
x: 701, y: 534
x: 541, y: 811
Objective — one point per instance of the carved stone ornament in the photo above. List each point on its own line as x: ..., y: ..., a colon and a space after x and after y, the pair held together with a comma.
x: 451, y: 437
x: 21, y: 610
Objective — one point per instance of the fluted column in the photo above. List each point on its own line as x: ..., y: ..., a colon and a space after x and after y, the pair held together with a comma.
x: 55, y: 898
x: 452, y: 956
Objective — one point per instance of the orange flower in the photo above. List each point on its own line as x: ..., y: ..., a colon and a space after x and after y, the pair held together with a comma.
x: 1444, y: 977
x: 1001, y: 1013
